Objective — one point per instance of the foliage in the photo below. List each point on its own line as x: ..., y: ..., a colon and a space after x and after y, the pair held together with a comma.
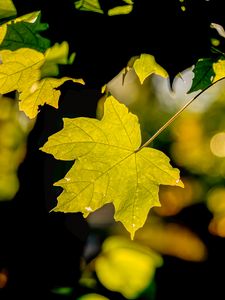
x: 104, y: 151
x: 110, y: 162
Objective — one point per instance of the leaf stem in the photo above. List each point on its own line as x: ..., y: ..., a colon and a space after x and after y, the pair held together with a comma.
x: 174, y: 117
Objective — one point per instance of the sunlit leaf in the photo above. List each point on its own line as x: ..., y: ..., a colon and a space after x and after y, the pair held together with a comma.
x: 92, y: 296
x: 25, y: 34
x: 172, y: 239
x: 120, y: 10
x: 57, y: 54
x: 3, y: 30
x: 19, y: 69
x: 41, y: 92
x: 110, y: 166
x: 126, y: 267
x: 14, y: 128
x: 146, y: 65
x: 219, y: 69
x: 203, y: 74
x: 88, y: 5
x: 7, y: 9
x: 216, y: 205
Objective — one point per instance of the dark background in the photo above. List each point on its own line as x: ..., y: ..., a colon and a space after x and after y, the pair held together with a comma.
x: 42, y: 250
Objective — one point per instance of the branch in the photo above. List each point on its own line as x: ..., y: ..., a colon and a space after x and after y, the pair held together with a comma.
x: 174, y: 117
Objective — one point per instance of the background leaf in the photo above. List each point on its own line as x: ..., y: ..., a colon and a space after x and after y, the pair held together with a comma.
x: 7, y: 9
x: 146, y: 65
x: 92, y: 296
x: 57, y: 54
x: 41, y: 92
x: 203, y: 74
x: 23, y: 33
x: 125, y: 266
x: 88, y: 5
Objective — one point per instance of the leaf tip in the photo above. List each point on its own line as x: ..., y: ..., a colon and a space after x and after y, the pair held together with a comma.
x: 179, y: 183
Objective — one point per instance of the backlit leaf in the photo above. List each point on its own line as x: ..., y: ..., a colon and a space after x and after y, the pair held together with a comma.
x: 126, y: 267
x: 24, y: 33
x: 42, y: 92
x: 57, y: 54
x: 219, y: 69
x: 203, y: 74
x: 7, y: 9
x: 120, y: 10
x: 88, y: 5
x: 110, y: 166
x: 146, y: 65
x: 19, y: 69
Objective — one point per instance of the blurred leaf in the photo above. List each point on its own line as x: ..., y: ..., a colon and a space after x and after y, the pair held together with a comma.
x: 13, y: 133
x: 110, y: 166
x: 146, y: 65
x: 92, y: 297
x: 24, y: 33
x: 216, y: 205
x: 57, y: 54
x: 3, y: 278
x: 172, y: 239
x: 190, y: 147
x: 203, y: 74
x: 218, y: 28
x: 126, y: 266
x: 219, y: 69
x: 174, y: 199
x: 41, y: 92
x: 63, y: 290
x: 7, y: 9
x: 120, y: 10
x: 88, y: 5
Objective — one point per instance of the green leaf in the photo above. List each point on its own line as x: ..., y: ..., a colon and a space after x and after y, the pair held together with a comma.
x: 120, y: 10
x: 88, y: 5
x: 63, y: 290
x: 203, y: 74
x: 58, y: 54
x: 42, y: 92
x: 92, y: 296
x: 19, y: 69
x: 110, y: 166
x: 7, y: 9
x: 146, y: 65
x: 23, y: 33
x: 126, y: 267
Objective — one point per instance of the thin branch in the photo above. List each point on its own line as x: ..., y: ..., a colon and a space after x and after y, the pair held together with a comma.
x: 174, y: 117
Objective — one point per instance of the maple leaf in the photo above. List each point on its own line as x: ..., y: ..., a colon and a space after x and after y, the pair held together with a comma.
x: 19, y: 69
x: 110, y: 166
x: 41, y: 92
